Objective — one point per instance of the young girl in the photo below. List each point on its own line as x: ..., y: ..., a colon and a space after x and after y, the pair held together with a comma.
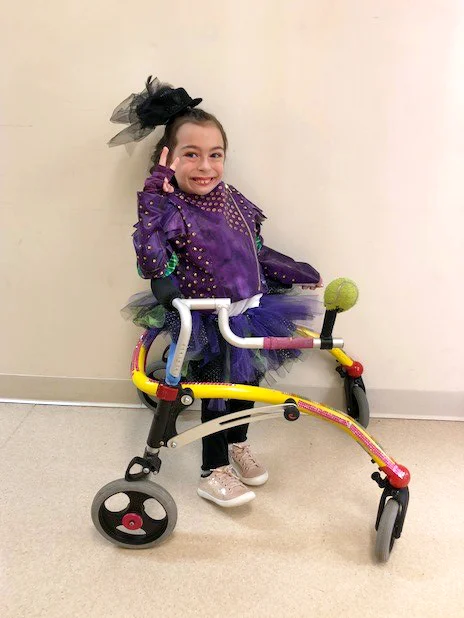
x: 199, y: 237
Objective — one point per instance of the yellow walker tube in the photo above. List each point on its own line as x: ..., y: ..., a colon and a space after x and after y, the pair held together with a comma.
x: 397, y: 475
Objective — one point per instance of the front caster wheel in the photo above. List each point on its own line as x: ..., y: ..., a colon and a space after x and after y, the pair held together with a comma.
x: 134, y: 514
x: 360, y: 405
x: 386, y: 531
x: 357, y: 404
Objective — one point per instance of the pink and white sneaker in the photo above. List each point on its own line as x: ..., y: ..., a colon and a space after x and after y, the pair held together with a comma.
x: 248, y: 468
x: 224, y: 488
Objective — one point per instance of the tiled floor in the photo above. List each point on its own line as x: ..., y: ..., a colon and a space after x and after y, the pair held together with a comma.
x: 302, y: 548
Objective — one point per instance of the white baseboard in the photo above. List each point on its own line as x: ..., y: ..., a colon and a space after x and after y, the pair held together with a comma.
x: 384, y: 403
x: 196, y: 407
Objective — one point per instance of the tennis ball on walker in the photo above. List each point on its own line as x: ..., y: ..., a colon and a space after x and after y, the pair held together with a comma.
x: 341, y: 294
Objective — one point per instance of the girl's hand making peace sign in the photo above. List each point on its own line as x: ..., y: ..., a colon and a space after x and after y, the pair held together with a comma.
x: 167, y: 187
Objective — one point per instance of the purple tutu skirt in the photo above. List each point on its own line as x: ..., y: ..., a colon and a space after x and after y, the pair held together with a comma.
x: 211, y: 359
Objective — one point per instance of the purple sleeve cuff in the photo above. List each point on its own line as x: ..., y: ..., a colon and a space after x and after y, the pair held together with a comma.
x: 154, y: 183
x: 284, y: 269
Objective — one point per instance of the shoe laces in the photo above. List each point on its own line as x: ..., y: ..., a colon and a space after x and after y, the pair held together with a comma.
x: 244, y: 455
x: 227, y: 477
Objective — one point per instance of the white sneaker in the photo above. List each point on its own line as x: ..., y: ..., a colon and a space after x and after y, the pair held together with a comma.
x: 224, y: 488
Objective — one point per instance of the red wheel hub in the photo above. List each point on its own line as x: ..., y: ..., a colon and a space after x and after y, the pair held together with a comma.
x: 132, y: 521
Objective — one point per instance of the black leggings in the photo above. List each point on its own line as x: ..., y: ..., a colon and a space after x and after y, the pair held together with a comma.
x: 215, y: 446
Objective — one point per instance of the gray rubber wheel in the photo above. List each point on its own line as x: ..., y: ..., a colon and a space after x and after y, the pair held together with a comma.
x: 363, y: 405
x: 157, y: 371
x: 385, y: 538
x: 134, y: 514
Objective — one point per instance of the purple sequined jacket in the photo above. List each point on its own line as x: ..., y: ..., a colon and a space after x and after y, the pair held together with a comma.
x: 214, y: 242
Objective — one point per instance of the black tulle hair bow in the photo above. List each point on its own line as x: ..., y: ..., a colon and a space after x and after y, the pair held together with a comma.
x: 156, y: 105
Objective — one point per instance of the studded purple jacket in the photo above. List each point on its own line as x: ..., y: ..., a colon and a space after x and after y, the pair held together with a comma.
x: 210, y: 244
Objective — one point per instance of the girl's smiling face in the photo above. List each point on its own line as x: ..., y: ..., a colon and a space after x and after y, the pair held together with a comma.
x: 200, y: 149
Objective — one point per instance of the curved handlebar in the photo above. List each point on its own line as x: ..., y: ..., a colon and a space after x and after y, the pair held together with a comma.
x: 185, y: 306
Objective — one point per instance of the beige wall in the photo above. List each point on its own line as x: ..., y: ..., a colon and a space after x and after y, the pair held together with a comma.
x: 346, y: 126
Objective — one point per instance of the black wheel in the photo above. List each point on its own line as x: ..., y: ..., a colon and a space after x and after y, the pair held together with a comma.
x: 134, y: 514
x: 361, y: 414
x: 386, y: 531
x: 156, y: 371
